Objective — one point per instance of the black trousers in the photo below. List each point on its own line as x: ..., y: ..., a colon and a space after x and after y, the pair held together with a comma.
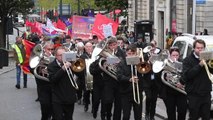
x: 127, y: 104
x: 199, y: 106
x: 111, y: 95
x: 176, y: 102
x: 45, y: 98
x: 151, y: 99
x: 86, y: 97
x: 63, y: 111
x: 96, y: 96
x: 46, y: 111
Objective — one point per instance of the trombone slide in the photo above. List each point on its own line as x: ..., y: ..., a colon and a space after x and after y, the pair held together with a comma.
x: 135, y: 86
x: 71, y: 77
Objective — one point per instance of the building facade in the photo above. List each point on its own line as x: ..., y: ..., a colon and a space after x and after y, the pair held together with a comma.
x: 174, y: 16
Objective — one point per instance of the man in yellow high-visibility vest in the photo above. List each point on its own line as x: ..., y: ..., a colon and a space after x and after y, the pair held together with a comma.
x: 19, y: 55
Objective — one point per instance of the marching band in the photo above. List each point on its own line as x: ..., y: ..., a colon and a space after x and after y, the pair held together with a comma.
x: 114, y: 74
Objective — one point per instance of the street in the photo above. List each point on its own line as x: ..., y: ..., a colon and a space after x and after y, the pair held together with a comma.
x: 20, y: 104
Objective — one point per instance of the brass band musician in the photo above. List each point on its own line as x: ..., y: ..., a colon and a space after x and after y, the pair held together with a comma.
x: 63, y: 92
x: 126, y: 88
x: 110, y: 90
x: 175, y: 101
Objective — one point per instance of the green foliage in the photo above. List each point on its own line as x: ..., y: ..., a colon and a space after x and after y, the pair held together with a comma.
x: 50, y: 4
x: 7, y: 9
x: 111, y: 5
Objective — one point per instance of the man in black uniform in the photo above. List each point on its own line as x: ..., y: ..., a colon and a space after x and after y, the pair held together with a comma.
x: 97, y: 87
x: 124, y: 75
x: 63, y: 92
x: 151, y: 85
x: 111, y: 86
x: 44, y: 86
x: 198, y: 84
x: 88, y: 49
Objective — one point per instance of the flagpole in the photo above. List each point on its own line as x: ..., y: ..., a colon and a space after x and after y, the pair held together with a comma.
x: 60, y: 7
x: 78, y: 7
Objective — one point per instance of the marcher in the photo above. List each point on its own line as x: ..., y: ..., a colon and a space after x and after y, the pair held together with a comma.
x: 63, y: 92
x: 198, y: 84
x: 19, y: 55
x: 176, y: 102
x: 125, y: 78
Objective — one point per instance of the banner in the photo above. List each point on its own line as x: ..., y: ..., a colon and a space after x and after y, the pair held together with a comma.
x: 82, y: 27
x: 28, y: 49
x: 104, y: 27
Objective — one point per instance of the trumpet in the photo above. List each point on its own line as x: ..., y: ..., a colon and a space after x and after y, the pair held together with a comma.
x: 71, y: 76
x: 135, y: 86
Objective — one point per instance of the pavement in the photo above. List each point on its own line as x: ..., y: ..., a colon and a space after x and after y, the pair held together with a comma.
x: 11, y: 66
x: 160, y: 111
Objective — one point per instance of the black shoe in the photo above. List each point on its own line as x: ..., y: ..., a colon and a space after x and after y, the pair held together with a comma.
x: 94, y: 114
x: 86, y: 107
x: 37, y: 100
x: 79, y: 102
x: 18, y: 86
x: 147, y: 117
x: 152, y: 118
x: 25, y: 86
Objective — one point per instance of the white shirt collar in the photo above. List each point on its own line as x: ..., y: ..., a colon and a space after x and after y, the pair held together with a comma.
x: 196, y: 56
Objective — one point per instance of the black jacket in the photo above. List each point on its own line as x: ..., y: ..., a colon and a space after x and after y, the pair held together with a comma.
x: 195, y: 76
x: 96, y: 72
x: 123, y: 76
x: 62, y: 89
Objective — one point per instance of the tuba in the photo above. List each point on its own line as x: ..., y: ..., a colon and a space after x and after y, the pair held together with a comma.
x: 143, y: 67
x: 171, y: 75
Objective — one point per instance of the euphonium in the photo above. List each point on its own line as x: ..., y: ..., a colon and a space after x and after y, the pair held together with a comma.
x: 171, y: 75
x: 38, y: 62
x: 101, y: 50
x: 143, y: 67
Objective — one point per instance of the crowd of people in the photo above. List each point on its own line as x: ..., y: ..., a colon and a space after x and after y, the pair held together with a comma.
x: 113, y: 93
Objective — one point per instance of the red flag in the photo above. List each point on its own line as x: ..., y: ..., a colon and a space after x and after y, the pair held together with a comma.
x: 61, y: 25
x: 104, y: 27
x: 28, y: 48
x: 28, y: 23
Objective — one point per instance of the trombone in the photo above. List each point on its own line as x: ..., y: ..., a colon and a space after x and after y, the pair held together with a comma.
x: 135, y: 86
x: 71, y: 77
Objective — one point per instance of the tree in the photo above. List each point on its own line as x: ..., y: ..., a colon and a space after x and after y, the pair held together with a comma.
x: 7, y: 9
x: 46, y: 4
x: 111, y: 5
